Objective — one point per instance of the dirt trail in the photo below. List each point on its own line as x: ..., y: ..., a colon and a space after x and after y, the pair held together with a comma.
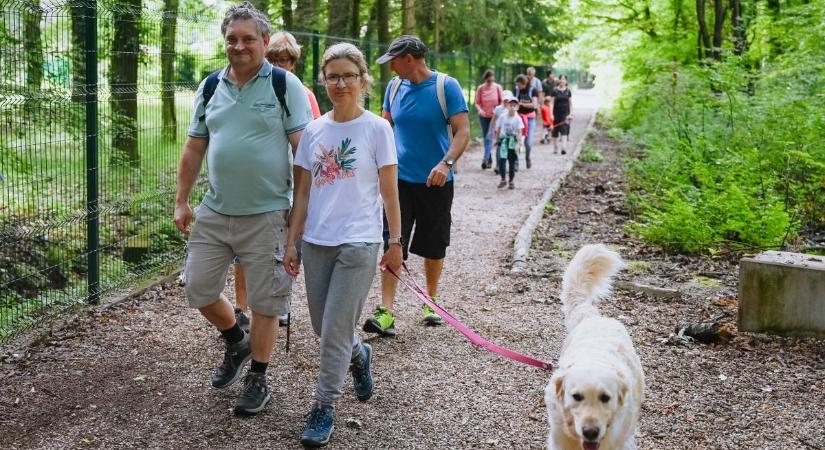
x: 138, y: 375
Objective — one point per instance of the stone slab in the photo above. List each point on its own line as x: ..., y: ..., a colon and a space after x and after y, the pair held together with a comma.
x: 782, y: 293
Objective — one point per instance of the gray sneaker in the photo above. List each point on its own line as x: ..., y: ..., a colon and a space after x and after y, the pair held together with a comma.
x: 242, y: 319
x: 362, y: 373
x: 235, y: 357
x: 255, y: 394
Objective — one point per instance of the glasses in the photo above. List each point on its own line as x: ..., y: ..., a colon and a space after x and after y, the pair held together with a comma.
x: 347, y: 78
x: 281, y: 60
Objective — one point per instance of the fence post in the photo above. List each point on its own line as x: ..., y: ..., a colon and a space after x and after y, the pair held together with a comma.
x: 367, y: 46
x: 92, y: 175
x: 316, y: 63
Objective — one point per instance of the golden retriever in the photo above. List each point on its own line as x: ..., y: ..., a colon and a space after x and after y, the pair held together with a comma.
x: 594, y: 396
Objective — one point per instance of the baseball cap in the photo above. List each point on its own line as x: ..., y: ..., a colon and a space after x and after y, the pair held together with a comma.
x: 508, y: 96
x: 403, y: 45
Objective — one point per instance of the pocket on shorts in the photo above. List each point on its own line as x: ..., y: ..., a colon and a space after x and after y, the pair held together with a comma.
x: 281, y: 281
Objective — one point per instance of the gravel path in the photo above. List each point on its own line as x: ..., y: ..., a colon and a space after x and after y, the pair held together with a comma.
x: 137, y: 375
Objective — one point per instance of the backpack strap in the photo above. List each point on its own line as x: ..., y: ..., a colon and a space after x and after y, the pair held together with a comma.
x: 279, y: 86
x: 440, y: 81
x: 395, y: 83
x: 209, y: 90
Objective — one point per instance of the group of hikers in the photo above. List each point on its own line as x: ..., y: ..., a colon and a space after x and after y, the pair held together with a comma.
x: 291, y: 187
x: 508, y: 119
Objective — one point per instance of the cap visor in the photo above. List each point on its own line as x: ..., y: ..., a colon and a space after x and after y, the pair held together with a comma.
x: 385, y: 58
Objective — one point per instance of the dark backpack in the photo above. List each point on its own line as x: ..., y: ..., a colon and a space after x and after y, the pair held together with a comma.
x: 278, y: 85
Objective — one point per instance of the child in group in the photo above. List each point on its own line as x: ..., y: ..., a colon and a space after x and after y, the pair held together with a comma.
x: 547, y: 119
x: 509, y: 136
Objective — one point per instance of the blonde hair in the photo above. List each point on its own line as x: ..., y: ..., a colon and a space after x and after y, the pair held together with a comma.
x: 344, y: 50
x: 283, y: 42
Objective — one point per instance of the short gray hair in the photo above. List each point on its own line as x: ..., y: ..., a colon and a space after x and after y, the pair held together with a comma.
x: 345, y: 50
x: 246, y: 11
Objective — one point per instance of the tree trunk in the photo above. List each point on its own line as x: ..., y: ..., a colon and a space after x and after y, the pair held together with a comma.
x: 338, y: 18
x: 78, y: 52
x: 383, y: 21
x: 718, y: 27
x: 123, y: 81
x: 408, y: 16
x: 355, y: 20
x: 305, y: 20
x: 261, y: 5
x: 167, y: 68
x: 34, y: 52
x: 286, y: 13
x: 704, y: 35
x: 740, y: 39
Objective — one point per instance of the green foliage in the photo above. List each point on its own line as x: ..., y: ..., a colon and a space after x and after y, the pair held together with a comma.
x: 731, y: 151
x: 590, y: 153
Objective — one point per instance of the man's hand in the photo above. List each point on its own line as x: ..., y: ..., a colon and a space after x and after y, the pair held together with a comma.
x: 292, y: 264
x: 391, y: 259
x: 183, y: 216
x: 438, y: 176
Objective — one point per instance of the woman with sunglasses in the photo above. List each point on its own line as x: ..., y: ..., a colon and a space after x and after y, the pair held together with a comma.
x: 345, y: 165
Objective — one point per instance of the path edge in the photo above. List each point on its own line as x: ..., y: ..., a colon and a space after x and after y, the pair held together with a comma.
x: 524, y: 238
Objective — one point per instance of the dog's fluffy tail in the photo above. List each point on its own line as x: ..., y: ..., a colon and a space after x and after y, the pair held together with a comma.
x: 586, y: 281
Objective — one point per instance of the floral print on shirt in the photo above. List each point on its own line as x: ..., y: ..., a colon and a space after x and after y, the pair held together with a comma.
x: 333, y: 164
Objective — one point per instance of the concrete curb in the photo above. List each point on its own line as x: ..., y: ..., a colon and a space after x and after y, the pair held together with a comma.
x: 521, y: 246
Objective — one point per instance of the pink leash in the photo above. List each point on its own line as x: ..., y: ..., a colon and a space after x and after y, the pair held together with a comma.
x: 470, y: 334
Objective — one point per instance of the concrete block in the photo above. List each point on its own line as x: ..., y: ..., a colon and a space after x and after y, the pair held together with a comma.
x: 782, y: 293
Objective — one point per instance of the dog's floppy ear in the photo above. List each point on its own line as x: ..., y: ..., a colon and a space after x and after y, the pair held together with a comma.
x: 559, y: 383
x: 623, y: 388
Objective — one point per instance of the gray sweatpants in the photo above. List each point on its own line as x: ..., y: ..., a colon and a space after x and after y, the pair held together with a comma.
x: 338, y: 281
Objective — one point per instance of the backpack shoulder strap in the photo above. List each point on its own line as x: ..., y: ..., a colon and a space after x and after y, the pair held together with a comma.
x: 396, y: 83
x: 440, y: 82
x: 279, y: 86
x: 209, y: 88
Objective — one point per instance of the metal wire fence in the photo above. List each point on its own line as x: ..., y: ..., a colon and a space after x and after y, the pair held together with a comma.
x: 95, y: 100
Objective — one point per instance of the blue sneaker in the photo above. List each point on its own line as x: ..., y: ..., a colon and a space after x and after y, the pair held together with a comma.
x: 319, y: 427
x: 360, y: 366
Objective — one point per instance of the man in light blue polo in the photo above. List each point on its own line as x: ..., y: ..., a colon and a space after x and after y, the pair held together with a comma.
x: 245, y: 134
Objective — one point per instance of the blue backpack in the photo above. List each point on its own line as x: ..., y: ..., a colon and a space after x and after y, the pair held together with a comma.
x: 278, y: 85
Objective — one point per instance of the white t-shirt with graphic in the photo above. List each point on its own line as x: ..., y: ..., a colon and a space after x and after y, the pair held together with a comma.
x: 343, y: 159
x: 509, y: 125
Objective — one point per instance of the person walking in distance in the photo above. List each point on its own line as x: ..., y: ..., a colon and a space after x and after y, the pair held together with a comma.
x: 348, y: 154
x: 562, y: 106
x: 528, y: 99
x: 245, y: 118
x: 426, y: 154
x: 509, y: 139
x: 488, y: 96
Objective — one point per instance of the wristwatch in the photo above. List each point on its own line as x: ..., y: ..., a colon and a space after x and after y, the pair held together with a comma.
x: 448, y: 162
x: 394, y: 240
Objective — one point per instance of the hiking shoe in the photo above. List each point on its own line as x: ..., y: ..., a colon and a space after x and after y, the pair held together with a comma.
x: 382, y: 322
x: 511, y: 185
x: 529, y: 163
x: 501, y: 184
x: 242, y: 319
x: 319, y: 427
x: 362, y: 373
x: 255, y: 394
x: 563, y: 151
x: 483, y: 165
x: 283, y: 320
x: 235, y: 357
x: 430, y: 317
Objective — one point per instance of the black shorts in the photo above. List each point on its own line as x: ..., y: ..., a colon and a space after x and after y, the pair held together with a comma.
x: 428, y: 210
x: 563, y: 130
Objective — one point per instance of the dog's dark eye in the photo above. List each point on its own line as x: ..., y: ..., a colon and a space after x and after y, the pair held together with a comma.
x: 604, y: 398
x: 578, y: 397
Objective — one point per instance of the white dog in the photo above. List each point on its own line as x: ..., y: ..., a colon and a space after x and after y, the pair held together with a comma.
x: 594, y: 396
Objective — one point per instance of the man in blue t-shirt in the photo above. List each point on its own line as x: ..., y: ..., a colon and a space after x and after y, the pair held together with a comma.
x: 426, y: 156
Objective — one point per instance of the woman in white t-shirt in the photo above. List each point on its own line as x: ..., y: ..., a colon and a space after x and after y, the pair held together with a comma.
x: 345, y: 165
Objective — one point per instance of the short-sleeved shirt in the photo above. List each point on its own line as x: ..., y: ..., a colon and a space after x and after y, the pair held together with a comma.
x: 537, y: 85
x: 561, y: 104
x: 248, y: 156
x: 509, y: 125
x: 343, y: 159
x: 421, y: 137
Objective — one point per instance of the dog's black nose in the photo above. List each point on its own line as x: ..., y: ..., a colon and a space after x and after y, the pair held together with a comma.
x: 591, y: 433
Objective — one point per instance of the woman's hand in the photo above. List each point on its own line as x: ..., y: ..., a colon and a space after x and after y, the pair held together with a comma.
x: 292, y: 264
x: 392, y: 259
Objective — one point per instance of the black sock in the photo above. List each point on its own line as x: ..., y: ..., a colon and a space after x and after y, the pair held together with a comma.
x: 258, y: 367
x: 233, y: 335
